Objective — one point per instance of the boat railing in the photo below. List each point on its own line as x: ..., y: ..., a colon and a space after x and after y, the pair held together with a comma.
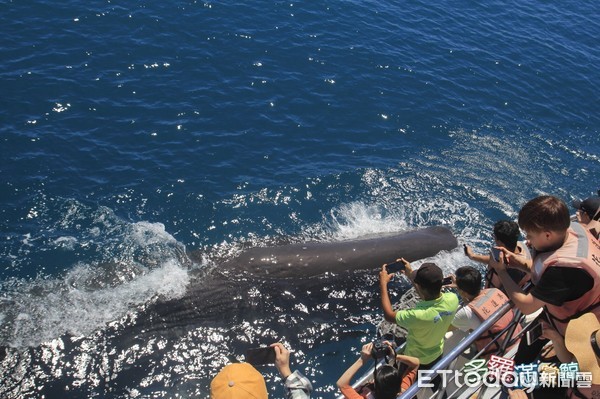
x: 446, y: 362
x: 462, y: 346
x: 508, y: 332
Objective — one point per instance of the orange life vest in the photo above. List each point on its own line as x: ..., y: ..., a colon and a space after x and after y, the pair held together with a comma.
x: 367, y: 391
x: 483, y: 306
x: 580, y: 251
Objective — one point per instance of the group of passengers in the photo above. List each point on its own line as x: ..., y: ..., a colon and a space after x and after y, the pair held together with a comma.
x: 556, y: 273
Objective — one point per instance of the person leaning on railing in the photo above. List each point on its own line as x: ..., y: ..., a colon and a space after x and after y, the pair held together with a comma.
x: 478, y: 306
x: 388, y: 379
x: 506, y: 234
x: 565, y: 269
x: 426, y: 323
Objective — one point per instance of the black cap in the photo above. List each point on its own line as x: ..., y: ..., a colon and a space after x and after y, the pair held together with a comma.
x: 589, y: 205
x: 429, y: 275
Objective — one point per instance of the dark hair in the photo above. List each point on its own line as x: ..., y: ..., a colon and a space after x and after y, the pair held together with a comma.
x: 468, y: 279
x: 545, y: 213
x: 431, y: 293
x: 429, y: 277
x: 388, y: 381
x: 508, y: 232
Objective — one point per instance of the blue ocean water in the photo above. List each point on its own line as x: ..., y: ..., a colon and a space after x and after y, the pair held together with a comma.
x: 132, y: 133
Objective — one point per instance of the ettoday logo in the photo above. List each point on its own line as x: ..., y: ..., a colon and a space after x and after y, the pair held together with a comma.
x: 498, y: 372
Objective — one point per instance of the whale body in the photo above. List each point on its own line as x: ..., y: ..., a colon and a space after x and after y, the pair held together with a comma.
x: 262, y: 279
x: 317, y: 258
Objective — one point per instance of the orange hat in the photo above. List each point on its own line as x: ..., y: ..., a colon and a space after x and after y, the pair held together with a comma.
x: 238, y: 381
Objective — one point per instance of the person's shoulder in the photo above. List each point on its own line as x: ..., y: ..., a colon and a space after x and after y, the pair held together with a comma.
x: 565, y: 273
x: 450, y: 298
x: 404, y: 313
x: 350, y: 393
x: 421, y: 311
x: 463, y: 318
x: 464, y: 312
x: 298, y: 385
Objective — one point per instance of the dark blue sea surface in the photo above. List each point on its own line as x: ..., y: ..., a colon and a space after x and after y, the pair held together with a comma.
x: 132, y: 134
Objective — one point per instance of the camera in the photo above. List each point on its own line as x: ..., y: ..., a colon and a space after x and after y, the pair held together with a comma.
x: 380, y: 349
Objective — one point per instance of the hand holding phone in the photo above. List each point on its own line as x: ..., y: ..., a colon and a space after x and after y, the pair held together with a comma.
x: 447, y: 280
x: 533, y: 334
x: 496, y: 253
x: 258, y: 356
x: 395, y: 267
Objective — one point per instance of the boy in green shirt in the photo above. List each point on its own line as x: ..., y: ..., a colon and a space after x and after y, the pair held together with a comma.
x: 429, y: 320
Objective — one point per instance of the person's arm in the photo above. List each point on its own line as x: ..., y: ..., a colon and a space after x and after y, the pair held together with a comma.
x: 464, y: 320
x: 388, y: 312
x: 517, y: 394
x: 365, y: 355
x: 282, y: 359
x: 526, y: 303
x: 516, y: 261
x: 412, y: 362
x: 558, y: 341
x: 408, y: 271
x: 476, y: 257
x: 295, y: 384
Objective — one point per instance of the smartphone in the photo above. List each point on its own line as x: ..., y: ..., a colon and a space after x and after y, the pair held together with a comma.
x: 534, y: 333
x: 465, y: 249
x: 395, y: 267
x: 496, y: 254
x: 258, y: 356
x: 447, y: 280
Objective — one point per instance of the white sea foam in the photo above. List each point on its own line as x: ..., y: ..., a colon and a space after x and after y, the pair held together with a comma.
x: 137, y: 262
x: 144, y: 234
x: 357, y: 219
x: 448, y: 261
x: 46, y: 309
x: 65, y: 242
